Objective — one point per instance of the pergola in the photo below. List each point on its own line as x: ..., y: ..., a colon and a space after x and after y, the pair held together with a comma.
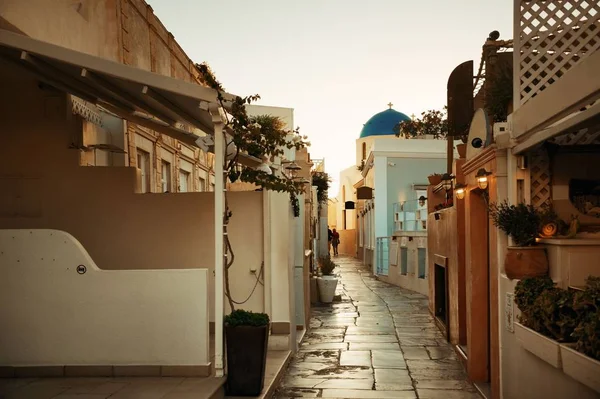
x: 158, y: 102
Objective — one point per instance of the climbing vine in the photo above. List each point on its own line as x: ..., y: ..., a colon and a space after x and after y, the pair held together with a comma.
x: 263, y: 137
x: 321, y: 180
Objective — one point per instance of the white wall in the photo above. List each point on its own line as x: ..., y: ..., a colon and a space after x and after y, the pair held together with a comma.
x: 51, y: 315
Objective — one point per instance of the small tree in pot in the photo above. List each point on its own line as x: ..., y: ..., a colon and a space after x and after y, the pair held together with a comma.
x: 327, y: 282
x: 522, y: 223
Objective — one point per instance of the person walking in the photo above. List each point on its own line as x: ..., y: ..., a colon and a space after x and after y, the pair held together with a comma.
x: 329, y: 239
x: 335, y: 241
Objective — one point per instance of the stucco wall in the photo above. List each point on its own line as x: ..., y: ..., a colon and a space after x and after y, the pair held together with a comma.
x: 42, y: 186
x: 411, y: 279
x: 53, y: 315
x: 442, y: 242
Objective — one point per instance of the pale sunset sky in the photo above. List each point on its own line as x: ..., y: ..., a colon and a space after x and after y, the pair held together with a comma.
x: 336, y: 62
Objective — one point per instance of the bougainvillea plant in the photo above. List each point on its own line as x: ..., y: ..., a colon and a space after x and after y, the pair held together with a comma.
x: 264, y: 137
x: 432, y: 122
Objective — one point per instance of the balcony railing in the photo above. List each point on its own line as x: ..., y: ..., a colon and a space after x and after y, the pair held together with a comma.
x: 410, y: 216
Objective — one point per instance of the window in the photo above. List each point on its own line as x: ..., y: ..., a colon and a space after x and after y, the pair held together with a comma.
x: 202, y: 184
x: 364, y: 151
x: 143, y: 163
x: 166, y: 176
x: 184, y: 179
x: 404, y: 261
x: 422, y: 258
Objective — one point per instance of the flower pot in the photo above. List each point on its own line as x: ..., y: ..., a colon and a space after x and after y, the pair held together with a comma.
x: 246, y: 359
x: 462, y: 150
x: 543, y: 347
x: 580, y: 367
x: 434, y: 180
x: 327, y: 285
x: 523, y: 262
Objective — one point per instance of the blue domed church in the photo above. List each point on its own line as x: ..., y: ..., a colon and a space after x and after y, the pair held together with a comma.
x: 378, y: 212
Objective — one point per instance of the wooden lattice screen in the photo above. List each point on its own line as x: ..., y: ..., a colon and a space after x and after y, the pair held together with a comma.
x: 550, y: 38
x: 541, y: 188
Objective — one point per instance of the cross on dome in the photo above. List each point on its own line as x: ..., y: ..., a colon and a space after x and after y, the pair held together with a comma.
x: 390, y: 105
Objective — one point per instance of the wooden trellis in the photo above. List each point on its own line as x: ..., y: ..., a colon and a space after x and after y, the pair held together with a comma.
x: 582, y: 137
x: 541, y: 188
x: 551, y: 37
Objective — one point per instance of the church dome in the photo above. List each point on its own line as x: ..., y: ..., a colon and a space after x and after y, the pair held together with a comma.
x: 382, y: 124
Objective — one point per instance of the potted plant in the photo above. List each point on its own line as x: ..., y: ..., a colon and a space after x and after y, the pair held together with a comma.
x: 327, y: 282
x: 582, y: 360
x: 522, y: 223
x: 247, y: 336
x: 435, y: 179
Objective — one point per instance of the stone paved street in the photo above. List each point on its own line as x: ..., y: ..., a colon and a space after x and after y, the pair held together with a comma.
x: 379, y: 342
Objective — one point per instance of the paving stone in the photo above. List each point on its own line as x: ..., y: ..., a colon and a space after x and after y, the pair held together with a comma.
x: 366, y: 384
x: 437, y: 374
x: 388, y: 359
x: 355, y: 358
x: 444, y: 384
x: 392, y: 375
x: 297, y: 393
x: 362, y: 394
x: 413, y: 341
x: 391, y: 345
x: 373, y: 330
x: 415, y: 352
x: 355, y: 346
x: 322, y: 356
x: 434, y: 364
x: 370, y: 338
x: 440, y: 352
x: 447, y: 394
x: 326, y: 346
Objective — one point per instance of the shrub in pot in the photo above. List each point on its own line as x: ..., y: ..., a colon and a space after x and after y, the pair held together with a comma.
x: 246, y: 336
x: 527, y: 291
x: 587, y: 304
x: 522, y: 223
x: 327, y: 282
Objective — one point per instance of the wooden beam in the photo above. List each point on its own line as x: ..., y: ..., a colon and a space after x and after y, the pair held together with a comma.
x: 178, y: 134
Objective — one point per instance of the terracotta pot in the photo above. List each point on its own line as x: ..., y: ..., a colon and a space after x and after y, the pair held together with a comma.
x: 523, y: 262
x: 462, y: 150
x: 434, y: 180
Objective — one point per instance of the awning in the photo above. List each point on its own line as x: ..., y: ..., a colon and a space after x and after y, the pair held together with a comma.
x: 142, y: 97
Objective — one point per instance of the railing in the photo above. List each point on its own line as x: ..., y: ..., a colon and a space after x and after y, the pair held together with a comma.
x: 410, y: 216
x: 383, y: 256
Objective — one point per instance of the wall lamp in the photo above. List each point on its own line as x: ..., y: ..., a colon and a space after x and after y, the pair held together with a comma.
x: 422, y: 200
x: 482, y: 178
x: 447, y: 181
x: 460, y: 190
x: 292, y: 168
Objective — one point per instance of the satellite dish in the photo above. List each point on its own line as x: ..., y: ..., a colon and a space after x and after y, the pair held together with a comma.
x: 480, y: 133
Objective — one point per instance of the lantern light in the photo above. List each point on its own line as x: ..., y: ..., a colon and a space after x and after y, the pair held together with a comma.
x: 447, y: 181
x: 460, y: 191
x: 482, y: 178
x: 292, y: 169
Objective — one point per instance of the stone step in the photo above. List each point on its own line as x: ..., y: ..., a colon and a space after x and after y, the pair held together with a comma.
x: 279, y: 342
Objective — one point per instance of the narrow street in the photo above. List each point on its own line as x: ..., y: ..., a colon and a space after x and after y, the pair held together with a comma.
x: 378, y: 342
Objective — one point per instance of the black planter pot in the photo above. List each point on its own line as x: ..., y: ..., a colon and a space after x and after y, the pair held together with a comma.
x: 246, y: 359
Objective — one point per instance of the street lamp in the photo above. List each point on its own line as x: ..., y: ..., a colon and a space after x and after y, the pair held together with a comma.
x: 482, y: 178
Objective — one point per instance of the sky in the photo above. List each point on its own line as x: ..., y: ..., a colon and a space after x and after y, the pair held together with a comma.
x: 336, y: 62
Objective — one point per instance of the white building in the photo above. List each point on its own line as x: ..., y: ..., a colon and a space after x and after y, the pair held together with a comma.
x: 389, y: 228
